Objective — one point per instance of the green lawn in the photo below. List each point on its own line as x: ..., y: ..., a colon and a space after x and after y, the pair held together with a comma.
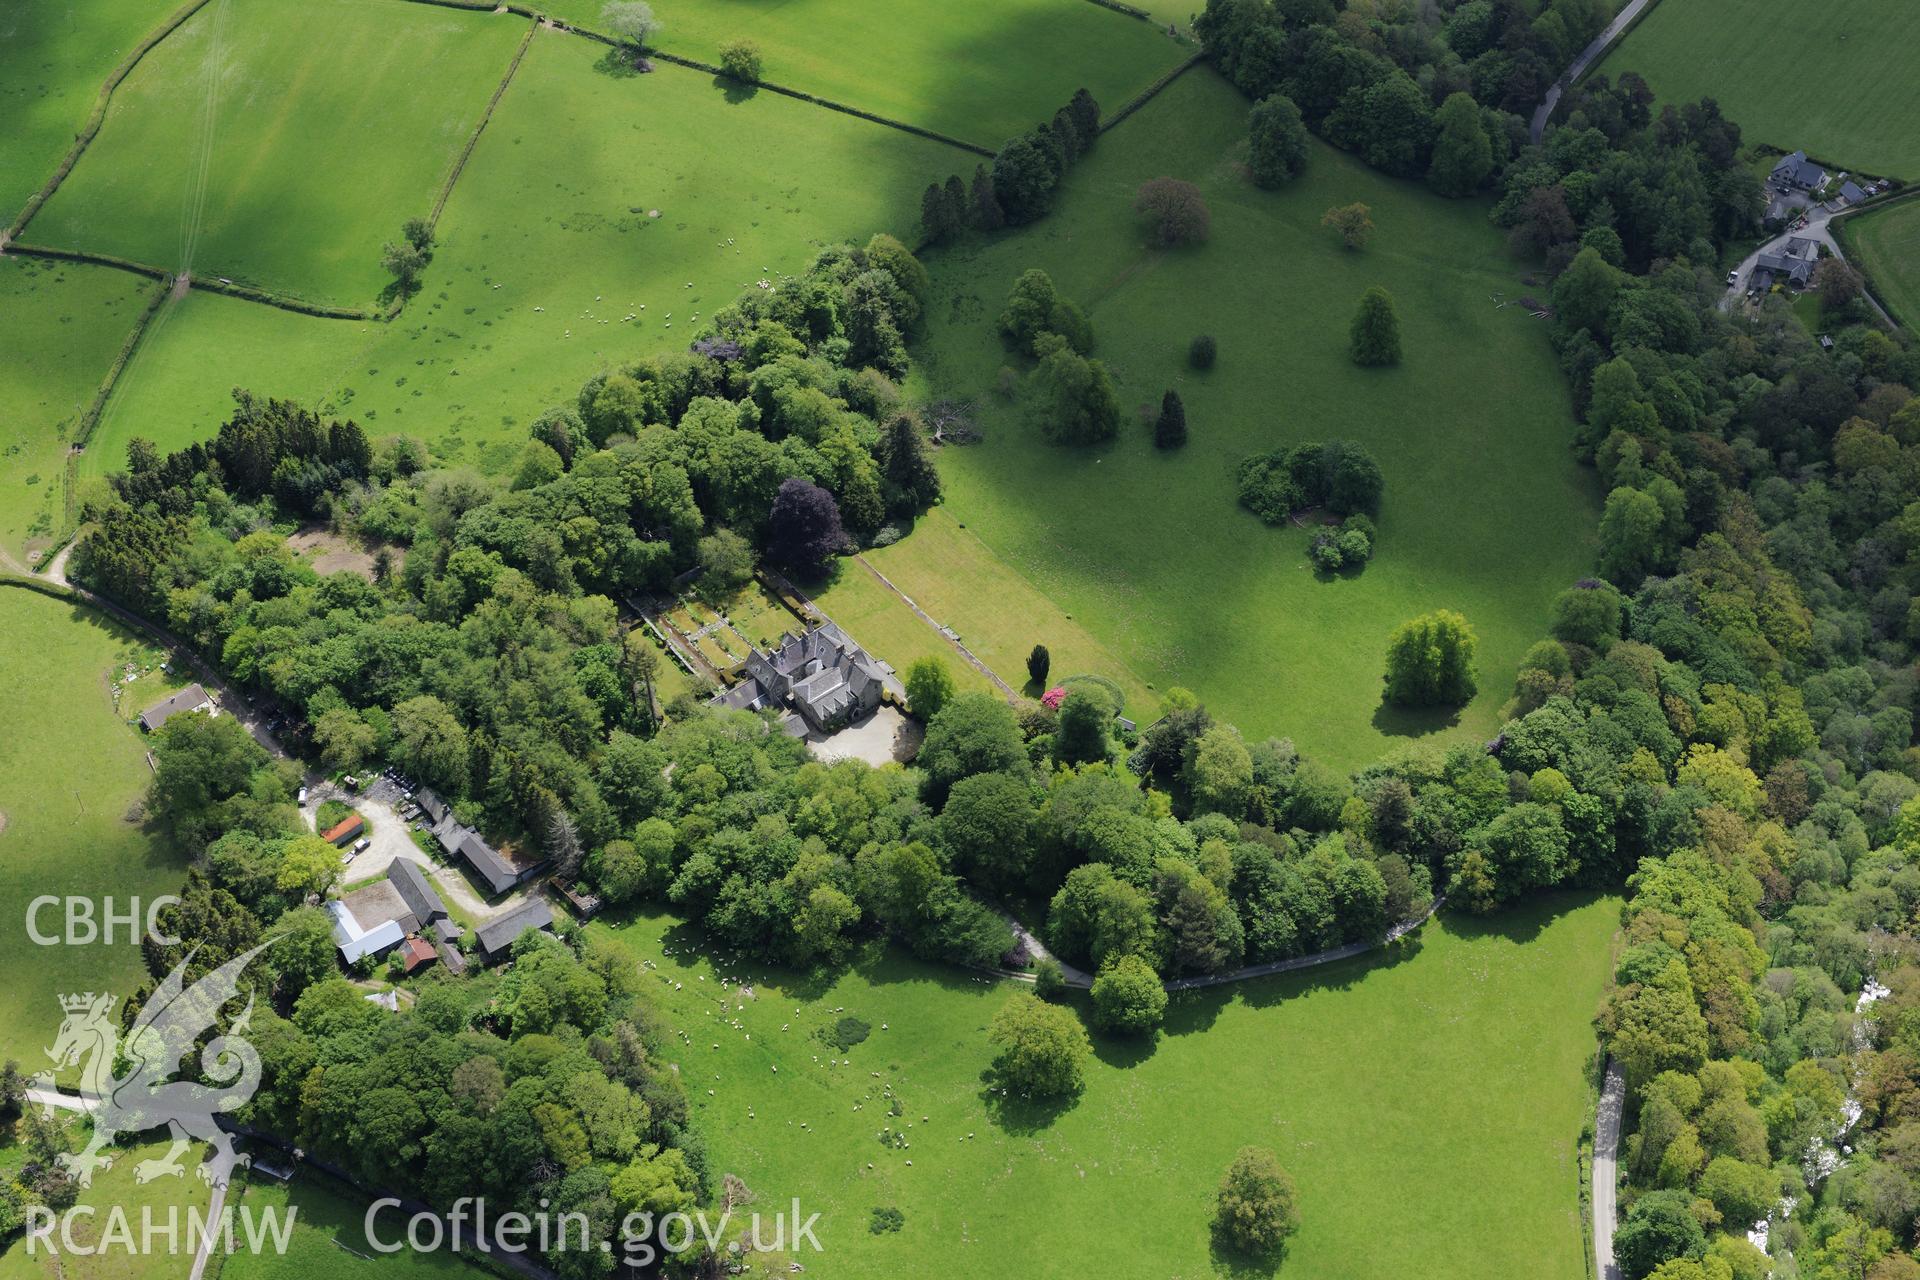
x: 164, y: 1199
x: 980, y: 72
x: 71, y: 769
x: 280, y: 143
x: 1428, y: 1108
x: 1485, y: 510
x: 1841, y: 86
x: 546, y: 248
x: 60, y: 326
x: 54, y: 57
x: 1885, y: 244
x: 951, y: 574
x: 329, y: 1239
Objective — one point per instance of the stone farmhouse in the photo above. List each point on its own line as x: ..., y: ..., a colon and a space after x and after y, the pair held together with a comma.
x: 821, y: 678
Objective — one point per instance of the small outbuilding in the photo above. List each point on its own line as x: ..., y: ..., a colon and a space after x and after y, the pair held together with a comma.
x: 348, y: 828
x: 416, y: 953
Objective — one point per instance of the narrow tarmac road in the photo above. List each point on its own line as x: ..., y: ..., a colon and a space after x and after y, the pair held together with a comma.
x: 1588, y: 56
x: 1606, y: 1176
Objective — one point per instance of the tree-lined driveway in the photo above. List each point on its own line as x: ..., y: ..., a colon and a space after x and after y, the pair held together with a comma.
x: 1588, y: 56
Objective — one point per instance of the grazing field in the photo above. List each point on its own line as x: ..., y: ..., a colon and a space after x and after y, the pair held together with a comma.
x: 329, y: 1238
x: 178, y: 387
x: 546, y: 248
x: 280, y: 143
x: 980, y: 72
x: 71, y: 773
x: 54, y: 57
x: 112, y: 1189
x: 60, y: 326
x: 1485, y: 510
x: 1885, y: 243
x: 945, y: 569
x: 1427, y: 1106
x: 1841, y: 86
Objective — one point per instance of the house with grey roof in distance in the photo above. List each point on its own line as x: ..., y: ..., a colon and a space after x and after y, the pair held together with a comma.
x: 496, y: 938
x: 1794, y: 261
x: 410, y: 882
x: 820, y: 677
x: 491, y: 867
x: 1799, y: 173
x: 192, y: 698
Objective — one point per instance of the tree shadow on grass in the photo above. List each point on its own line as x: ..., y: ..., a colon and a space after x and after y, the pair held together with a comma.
x: 1335, y: 975
x: 1124, y: 1051
x: 735, y: 91
x: 1020, y: 1116
x: 1524, y: 921
x: 616, y: 64
x: 1413, y: 722
x: 1234, y: 1263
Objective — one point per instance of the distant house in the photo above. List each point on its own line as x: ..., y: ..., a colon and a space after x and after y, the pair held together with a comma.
x: 1798, y: 173
x: 1794, y: 261
x: 344, y: 830
x: 1852, y: 193
x: 190, y: 699
x: 410, y: 882
x: 497, y: 938
x: 493, y: 868
x: 822, y: 676
x: 451, y: 959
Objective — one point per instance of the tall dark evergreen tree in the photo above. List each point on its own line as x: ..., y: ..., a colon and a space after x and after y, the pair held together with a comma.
x: 955, y: 194
x: 1170, y: 430
x: 983, y: 206
x: 936, y: 215
x: 912, y: 482
x: 1086, y: 117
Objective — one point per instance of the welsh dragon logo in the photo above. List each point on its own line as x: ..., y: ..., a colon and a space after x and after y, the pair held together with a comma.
x: 126, y: 1086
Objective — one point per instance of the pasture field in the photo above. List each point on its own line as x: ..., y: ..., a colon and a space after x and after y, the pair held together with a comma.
x: 1451, y: 1154
x: 1841, y: 88
x: 546, y: 248
x: 178, y: 387
x: 1485, y: 510
x: 54, y: 57
x: 980, y: 72
x: 72, y: 769
x: 951, y: 574
x: 329, y: 1239
x: 280, y: 144
x: 61, y: 325
x: 1885, y: 243
x: 163, y: 1199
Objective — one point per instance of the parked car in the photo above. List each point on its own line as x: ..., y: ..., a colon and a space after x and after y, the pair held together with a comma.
x: 362, y: 844
x: 1733, y: 278
x: 303, y: 795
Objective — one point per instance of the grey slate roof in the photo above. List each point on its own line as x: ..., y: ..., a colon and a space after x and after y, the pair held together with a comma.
x: 432, y: 805
x: 191, y: 698
x: 1799, y: 171
x: 411, y: 882
x: 1851, y: 192
x: 495, y: 938
x: 821, y: 672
